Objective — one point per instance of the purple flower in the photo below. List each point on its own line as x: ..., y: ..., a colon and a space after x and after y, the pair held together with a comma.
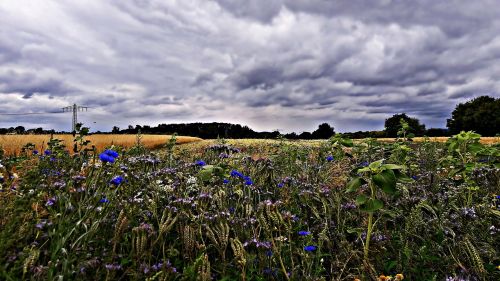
x: 113, y: 266
x: 363, y: 164
x: 51, y: 201
x: 104, y: 200
x: 35, y: 152
x: 329, y: 158
x: 310, y: 248
x: 304, y: 233
x: 225, y: 181
x: 281, y: 184
x: 269, y: 253
x: 47, y: 152
x: 117, y: 180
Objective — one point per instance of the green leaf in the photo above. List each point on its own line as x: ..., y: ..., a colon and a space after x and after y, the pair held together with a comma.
x: 357, y: 230
x: 391, y: 167
x: 386, y: 180
x: 375, y: 165
x: 372, y: 205
x: 402, y: 177
x: 361, y: 199
x: 206, y: 172
x: 346, y: 142
x: 354, y: 184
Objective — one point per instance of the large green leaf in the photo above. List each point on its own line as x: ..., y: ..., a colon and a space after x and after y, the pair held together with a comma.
x: 372, y: 205
x: 361, y: 199
x: 386, y: 180
x: 354, y: 184
x: 402, y: 177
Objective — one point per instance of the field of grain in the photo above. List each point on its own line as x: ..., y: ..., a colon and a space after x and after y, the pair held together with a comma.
x: 12, y: 144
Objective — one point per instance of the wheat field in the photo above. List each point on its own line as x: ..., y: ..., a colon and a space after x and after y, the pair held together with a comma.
x: 12, y: 144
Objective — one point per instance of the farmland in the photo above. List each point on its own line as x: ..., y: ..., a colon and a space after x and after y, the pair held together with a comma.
x: 335, y: 209
x: 13, y: 144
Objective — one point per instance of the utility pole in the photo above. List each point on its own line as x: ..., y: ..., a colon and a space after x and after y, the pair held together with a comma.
x: 74, y: 108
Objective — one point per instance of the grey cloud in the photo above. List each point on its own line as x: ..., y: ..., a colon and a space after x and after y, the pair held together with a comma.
x: 287, y: 64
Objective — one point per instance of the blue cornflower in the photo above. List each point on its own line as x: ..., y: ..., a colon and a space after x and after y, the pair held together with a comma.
x: 329, y: 158
x: 200, y: 163
x: 310, y: 248
x: 117, y: 180
x: 106, y: 158
x: 35, y: 152
x: 281, y: 184
x: 104, y: 200
x: 111, y: 153
x: 414, y: 177
x: 269, y: 253
x: 232, y: 209
x: 363, y: 164
x: 498, y: 197
x: 225, y: 181
x: 235, y: 173
x: 304, y: 233
x: 47, y: 152
x: 248, y: 180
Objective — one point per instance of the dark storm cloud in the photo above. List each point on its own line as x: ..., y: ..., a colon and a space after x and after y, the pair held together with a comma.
x: 286, y: 64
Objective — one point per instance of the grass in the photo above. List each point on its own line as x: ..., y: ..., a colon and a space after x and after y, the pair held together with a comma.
x: 12, y: 144
x: 254, y: 210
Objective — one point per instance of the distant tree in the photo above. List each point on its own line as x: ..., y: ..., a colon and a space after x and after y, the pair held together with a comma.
x: 291, y: 136
x: 393, y: 125
x: 324, y: 131
x: 115, y: 130
x: 20, y: 130
x: 305, y: 136
x: 481, y: 115
x: 437, y: 132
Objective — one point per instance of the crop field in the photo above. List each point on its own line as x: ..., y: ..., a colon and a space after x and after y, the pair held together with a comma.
x: 13, y: 144
x: 336, y: 209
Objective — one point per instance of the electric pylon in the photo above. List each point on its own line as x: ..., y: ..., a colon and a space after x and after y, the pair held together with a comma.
x: 75, y: 108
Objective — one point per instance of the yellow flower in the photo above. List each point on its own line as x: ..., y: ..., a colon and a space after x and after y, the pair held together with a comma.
x: 498, y: 267
x: 382, y: 278
x: 400, y: 276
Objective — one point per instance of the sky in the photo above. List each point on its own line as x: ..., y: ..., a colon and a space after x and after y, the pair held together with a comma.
x: 285, y: 65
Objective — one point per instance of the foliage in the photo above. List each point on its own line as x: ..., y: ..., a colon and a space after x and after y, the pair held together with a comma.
x: 259, y: 210
x: 480, y: 115
x: 324, y: 131
x: 393, y: 125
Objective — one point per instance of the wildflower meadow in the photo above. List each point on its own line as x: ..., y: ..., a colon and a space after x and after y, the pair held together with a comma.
x: 259, y: 210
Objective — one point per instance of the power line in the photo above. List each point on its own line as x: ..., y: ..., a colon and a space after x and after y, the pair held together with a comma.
x: 29, y: 113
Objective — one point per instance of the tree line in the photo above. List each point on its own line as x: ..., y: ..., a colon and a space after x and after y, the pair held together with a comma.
x: 481, y: 115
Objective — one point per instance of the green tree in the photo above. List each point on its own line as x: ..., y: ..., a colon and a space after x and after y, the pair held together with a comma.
x: 393, y: 125
x: 481, y: 115
x: 324, y: 131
